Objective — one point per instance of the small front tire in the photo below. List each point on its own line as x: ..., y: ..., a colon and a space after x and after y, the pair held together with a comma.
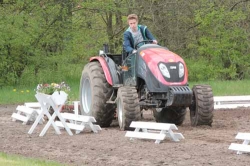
x: 128, y: 108
x: 201, y: 111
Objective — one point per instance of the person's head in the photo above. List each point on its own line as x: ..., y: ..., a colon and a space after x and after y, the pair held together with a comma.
x: 133, y: 21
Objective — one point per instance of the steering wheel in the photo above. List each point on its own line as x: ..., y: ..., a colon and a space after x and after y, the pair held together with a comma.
x: 144, y: 42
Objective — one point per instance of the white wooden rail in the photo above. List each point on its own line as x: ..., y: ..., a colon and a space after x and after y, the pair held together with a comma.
x: 79, y: 122
x: 231, y: 101
x: 27, y: 112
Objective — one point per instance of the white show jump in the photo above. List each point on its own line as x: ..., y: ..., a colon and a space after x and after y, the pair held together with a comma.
x: 57, y: 101
x: 153, y: 130
x: 27, y: 112
x: 244, y: 147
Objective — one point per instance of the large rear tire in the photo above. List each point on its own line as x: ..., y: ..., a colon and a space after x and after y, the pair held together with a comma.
x: 201, y: 111
x: 174, y: 115
x: 94, y: 93
x: 128, y: 108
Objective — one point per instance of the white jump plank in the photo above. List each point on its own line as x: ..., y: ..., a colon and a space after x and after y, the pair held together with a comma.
x: 231, y: 98
x: 143, y: 135
x: 20, y: 117
x: 81, y: 118
x: 219, y: 106
x: 70, y: 125
x: 153, y: 125
x: 243, y: 136
x: 239, y: 147
x: 33, y: 104
x: 25, y: 109
x: 178, y: 136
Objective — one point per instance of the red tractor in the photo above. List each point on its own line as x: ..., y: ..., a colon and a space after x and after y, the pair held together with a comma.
x: 153, y: 78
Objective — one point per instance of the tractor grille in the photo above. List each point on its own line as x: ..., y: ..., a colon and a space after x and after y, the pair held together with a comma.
x: 180, y: 96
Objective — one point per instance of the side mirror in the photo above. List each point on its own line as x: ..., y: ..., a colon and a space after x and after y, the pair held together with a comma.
x: 106, y: 48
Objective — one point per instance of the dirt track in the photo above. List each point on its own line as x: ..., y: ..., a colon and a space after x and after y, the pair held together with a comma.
x: 202, y: 145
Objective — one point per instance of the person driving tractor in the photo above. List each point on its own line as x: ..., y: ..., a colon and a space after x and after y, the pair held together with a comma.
x: 135, y: 34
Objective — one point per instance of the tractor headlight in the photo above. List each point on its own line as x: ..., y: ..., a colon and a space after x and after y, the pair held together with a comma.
x: 164, y: 70
x: 181, y: 70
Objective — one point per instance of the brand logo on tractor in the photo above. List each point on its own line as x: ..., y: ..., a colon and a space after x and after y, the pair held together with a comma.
x: 172, y: 67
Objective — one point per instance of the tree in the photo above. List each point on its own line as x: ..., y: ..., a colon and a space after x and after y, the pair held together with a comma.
x: 222, y: 41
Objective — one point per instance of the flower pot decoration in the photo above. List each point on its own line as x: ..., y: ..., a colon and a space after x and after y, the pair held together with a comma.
x: 59, y: 92
x: 49, y: 89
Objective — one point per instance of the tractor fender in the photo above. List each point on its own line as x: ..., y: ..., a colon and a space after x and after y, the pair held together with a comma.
x: 104, y: 67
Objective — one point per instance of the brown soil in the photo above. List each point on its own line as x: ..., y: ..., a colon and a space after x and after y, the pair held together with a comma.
x: 202, y: 145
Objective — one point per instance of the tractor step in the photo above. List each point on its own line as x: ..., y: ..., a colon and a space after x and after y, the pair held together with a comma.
x: 117, y: 86
x: 110, y: 102
x: 142, y: 103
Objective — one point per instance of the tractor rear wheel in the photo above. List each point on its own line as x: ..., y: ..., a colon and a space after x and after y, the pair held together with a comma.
x: 201, y: 111
x: 128, y: 108
x: 94, y: 93
x: 174, y: 115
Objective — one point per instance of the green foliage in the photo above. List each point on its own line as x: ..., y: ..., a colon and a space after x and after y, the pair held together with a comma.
x: 50, y: 41
x: 33, y: 34
x: 201, y: 70
x: 222, y: 41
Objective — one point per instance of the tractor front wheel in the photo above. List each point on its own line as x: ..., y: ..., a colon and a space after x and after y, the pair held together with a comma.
x: 201, y: 110
x: 128, y: 108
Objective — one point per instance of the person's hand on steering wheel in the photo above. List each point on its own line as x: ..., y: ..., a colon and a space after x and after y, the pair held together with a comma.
x: 145, y: 42
x: 155, y: 42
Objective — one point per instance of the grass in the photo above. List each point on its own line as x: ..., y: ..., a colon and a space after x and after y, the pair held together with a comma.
x: 14, y: 160
x: 21, y: 94
x: 228, y: 88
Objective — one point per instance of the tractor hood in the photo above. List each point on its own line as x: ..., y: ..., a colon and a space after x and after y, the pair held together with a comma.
x: 167, y: 67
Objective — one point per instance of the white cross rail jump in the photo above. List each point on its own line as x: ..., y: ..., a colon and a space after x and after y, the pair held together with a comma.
x: 57, y: 101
